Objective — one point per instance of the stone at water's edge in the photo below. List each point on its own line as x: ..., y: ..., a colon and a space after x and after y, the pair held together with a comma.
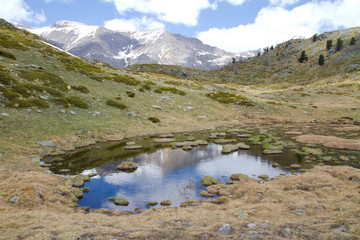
x: 133, y: 147
x: 119, y: 201
x: 225, y: 229
x: 127, y: 166
x: 47, y: 144
x: 208, y: 180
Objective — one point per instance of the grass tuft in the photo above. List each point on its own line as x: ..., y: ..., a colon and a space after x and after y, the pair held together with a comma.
x: 113, y: 103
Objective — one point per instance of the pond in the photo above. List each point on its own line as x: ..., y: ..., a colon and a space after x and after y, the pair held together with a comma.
x: 166, y: 172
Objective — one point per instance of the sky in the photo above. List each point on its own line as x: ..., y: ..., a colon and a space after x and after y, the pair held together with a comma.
x: 232, y: 25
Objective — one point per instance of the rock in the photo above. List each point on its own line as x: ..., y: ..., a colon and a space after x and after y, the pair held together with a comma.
x: 189, y: 203
x: 164, y: 140
x: 35, y: 160
x: 14, y: 199
x: 239, y: 177
x: 229, y: 148
x: 47, y: 144
x: 224, y: 141
x: 127, y: 166
x: 132, y: 114
x: 225, y: 229
x: 156, y: 107
x: 264, y: 176
x: 243, y: 146
x: 272, y: 152
x: 293, y: 133
x: 220, y: 200
x: 274, y: 164
x: 140, y: 122
x: 208, y: 180
x: 191, y: 139
x: 165, y: 203
x: 201, y: 142
x: 72, y: 112
x: 167, y: 135
x: 251, y: 225
x: 5, y: 114
x: 119, y: 201
x: 287, y: 232
x: 130, y: 143
x: 299, y: 211
x: 62, y: 111
x: 133, y: 147
x: 344, y: 158
x: 187, y: 148
x: 38, y: 111
x: 64, y: 170
x: 243, y: 214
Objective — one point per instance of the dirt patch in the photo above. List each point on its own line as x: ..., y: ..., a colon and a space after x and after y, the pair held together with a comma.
x: 330, y: 141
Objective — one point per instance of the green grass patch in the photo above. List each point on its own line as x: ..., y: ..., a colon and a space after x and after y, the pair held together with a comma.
x: 78, y: 65
x: 39, y: 103
x: 130, y: 94
x: 71, y: 101
x: 116, y: 104
x: 7, y: 55
x: 10, y: 95
x: 27, y: 90
x: 226, y: 97
x: 81, y: 88
x: 131, y: 81
x: 5, y: 77
x: 7, y: 41
x: 46, y: 78
x: 18, y: 103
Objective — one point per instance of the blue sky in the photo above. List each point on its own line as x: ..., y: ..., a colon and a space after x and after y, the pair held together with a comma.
x: 233, y: 25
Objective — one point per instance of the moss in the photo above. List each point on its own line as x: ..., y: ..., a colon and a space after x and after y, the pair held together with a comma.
x: 116, y: 104
x: 39, y: 103
x: 226, y: 97
x: 47, y: 78
x: 119, y: 201
x: 146, y: 87
x: 86, y: 189
x: 7, y: 55
x: 149, y: 82
x: 158, y: 90
x: 18, y: 103
x: 189, y: 203
x: 141, y: 89
x: 127, y: 166
x: 154, y: 119
x: 131, y: 81
x: 130, y: 94
x: 220, y: 200
x: 3, y: 90
x: 81, y: 88
x: 29, y: 90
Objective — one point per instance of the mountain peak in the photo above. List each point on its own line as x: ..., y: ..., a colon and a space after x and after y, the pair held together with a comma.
x: 66, y: 23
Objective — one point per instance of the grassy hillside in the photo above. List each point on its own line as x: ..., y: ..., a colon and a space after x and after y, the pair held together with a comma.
x: 49, y: 95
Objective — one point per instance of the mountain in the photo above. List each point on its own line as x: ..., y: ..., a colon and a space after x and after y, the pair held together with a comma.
x: 122, y: 49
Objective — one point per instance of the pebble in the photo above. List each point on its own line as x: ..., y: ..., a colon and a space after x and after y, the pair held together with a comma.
x: 251, y: 225
x: 299, y: 212
x: 287, y: 232
x: 38, y: 111
x: 14, y: 199
x: 156, y: 107
x: 225, y: 229
x: 243, y: 214
x: 72, y: 112
x: 5, y: 114
x: 47, y: 144
x: 132, y: 114
x: 62, y: 111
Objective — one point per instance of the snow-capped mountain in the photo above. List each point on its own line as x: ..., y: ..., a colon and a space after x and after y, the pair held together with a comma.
x: 121, y: 49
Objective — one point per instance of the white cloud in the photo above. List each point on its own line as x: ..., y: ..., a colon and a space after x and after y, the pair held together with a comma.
x: 65, y: 1
x: 180, y: 11
x: 283, y: 2
x: 276, y: 24
x: 134, y: 24
x: 18, y: 10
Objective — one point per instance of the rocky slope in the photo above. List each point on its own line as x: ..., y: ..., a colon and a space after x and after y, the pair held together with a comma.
x: 121, y: 49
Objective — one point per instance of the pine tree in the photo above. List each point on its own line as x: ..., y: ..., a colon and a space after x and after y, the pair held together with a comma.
x: 315, y: 37
x: 329, y: 44
x: 272, y: 47
x: 352, y: 41
x: 303, y: 57
x: 339, y: 44
x: 258, y: 54
x: 321, y: 60
x: 233, y: 60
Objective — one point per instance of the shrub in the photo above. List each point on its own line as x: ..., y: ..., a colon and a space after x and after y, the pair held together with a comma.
x: 40, y: 103
x: 130, y: 94
x: 116, y: 104
x: 141, y: 89
x: 146, y: 87
x: 339, y: 44
x: 8, y: 42
x: 11, y: 95
x: 329, y: 44
x: 81, y: 88
x: 149, y: 82
x: 352, y: 41
x: 18, y: 103
x: 127, y: 80
x: 315, y: 37
x: 77, y: 102
x: 3, y: 89
x: 303, y: 57
x: 78, y: 65
x: 27, y: 90
x: 154, y: 119
x: 226, y: 97
x: 158, y: 90
x: 170, y: 89
x: 47, y: 78
x: 5, y: 77
x: 61, y: 101
x: 7, y: 55
x: 321, y: 60
x: 118, y: 98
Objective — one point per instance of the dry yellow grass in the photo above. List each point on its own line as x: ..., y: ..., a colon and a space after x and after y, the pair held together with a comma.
x: 330, y: 141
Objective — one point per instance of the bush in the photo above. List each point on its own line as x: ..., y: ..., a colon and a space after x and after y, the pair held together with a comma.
x: 329, y: 44
x: 47, y: 78
x: 27, y: 90
x: 339, y: 44
x: 141, y: 89
x: 3, y: 89
x: 226, y: 97
x: 78, y: 65
x: 77, y: 102
x: 158, y: 90
x: 116, y: 104
x: 18, y: 103
x: 130, y: 94
x: 5, y: 77
x: 315, y: 37
x: 81, y: 88
x: 8, y: 42
x: 154, y: 119
x: 11, y: 95
x: 321, y: 60
x: 40, y: 103
x: 7, y: 55
x: 352, y: 41
x: 170, y: 89
x: 131, y: 81
x: 303, y: 57
x: 61, y: 101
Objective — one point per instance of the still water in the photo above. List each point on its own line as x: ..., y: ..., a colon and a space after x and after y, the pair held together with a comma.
x: 165, y: 173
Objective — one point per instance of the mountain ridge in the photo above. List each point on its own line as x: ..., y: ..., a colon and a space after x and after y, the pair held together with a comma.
x: 123, y: 48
